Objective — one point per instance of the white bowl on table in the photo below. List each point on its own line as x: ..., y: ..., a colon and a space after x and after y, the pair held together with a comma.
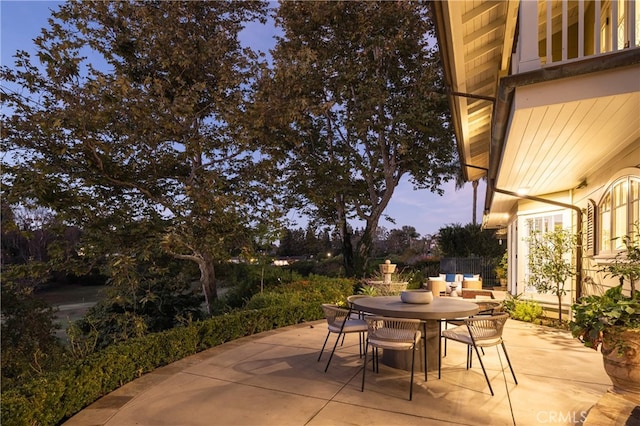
x: 416, y: 296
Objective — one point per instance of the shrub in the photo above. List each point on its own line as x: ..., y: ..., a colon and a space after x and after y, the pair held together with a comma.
x: 303, y: 267
x: 243, y: 281
x: 157, y: 303
x: 522, y: 310
x: 55, y: 396
x: 29, y: 345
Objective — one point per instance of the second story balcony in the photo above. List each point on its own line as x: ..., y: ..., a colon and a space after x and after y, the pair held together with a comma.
x: 557, y: 31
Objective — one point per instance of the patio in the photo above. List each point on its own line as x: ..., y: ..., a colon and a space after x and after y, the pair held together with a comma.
x: 273, y: 379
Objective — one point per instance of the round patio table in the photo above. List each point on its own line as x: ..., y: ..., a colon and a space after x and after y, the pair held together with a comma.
x: 441, y: 308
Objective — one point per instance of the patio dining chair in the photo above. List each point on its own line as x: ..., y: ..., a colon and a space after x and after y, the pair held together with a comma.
x: 356, y: 314
x: 487, y: 307
x: 396, y: 334
x: 351, y: 299
x: 340, y: 321
x: 481, y: 332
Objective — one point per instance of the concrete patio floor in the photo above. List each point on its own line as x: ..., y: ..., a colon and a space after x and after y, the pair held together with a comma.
x: 273, y: 379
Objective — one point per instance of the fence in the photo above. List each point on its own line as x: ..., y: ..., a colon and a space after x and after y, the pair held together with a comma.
x: 471, y: 265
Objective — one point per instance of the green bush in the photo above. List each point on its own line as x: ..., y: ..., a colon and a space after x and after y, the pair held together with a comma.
x: 243, y: 281
x: 157, y: 303
x: 302, y: 267
x: 28, y: 343
x: 522, y: 310
x: 332, y: 267
x: 55, y: 396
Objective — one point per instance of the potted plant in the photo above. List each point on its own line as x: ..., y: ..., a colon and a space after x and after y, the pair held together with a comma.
x: 501, y: 270
x: 611, y: 321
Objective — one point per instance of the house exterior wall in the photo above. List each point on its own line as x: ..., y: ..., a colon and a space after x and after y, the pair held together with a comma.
x: 597, y: 183
x: 584, y: 37
x: 627, y: 163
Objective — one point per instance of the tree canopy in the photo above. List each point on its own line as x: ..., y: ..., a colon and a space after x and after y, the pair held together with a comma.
x: 469, y: 240
x: 356, y: 102
x: 133, y: 128
x: 149, y: 128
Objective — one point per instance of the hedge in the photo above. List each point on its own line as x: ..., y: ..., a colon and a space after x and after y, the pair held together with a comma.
x: 56, y: 396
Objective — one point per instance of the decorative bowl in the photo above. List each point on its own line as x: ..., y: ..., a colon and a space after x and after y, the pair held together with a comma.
x: 416, y: 296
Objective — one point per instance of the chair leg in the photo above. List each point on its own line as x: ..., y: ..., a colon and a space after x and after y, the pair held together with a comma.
x: 376, y: 360
x: 483, y: 369
x: 440, y: 349
x: 446, y: 326
x: 325, y: 344
x: 424, y: 350
x: 413, y: 358
x: 364, y: 368
x: 334, y: 349
x: 504, y: 349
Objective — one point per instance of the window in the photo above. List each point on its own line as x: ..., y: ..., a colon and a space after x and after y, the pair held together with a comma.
x: 619, y: 210
x: 544, y: 224
x: 626, y: 17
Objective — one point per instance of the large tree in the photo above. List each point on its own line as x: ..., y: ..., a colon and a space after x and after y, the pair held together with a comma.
x: 356, y: 100
x: 136, y: 115
x: 470, y: 240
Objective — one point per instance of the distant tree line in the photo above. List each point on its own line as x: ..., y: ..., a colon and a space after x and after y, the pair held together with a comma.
x: 34, y: 235
x: 311, y: 242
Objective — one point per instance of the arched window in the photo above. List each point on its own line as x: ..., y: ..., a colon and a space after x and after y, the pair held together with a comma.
x: 618, y: 213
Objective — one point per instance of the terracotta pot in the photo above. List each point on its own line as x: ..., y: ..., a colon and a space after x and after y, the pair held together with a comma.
x: 622, y: 365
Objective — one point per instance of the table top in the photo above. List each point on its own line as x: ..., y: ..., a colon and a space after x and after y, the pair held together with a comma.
x: 439, y: 308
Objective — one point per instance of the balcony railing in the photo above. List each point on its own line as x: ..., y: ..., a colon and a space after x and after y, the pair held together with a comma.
x: 556, y: 31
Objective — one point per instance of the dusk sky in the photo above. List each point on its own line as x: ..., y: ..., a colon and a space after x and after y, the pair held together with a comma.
x: 21, y: 21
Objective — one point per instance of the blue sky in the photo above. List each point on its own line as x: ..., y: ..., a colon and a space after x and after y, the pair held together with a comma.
x: 21, y: 21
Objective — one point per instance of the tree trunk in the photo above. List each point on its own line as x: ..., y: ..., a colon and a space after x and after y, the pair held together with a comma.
x: 363, y: 251
x: 474, y: 184
x: 559, y: 307
x: 361, y: 259
x: 208, y: 280
x: 347, y: 250
x: 345, y: 235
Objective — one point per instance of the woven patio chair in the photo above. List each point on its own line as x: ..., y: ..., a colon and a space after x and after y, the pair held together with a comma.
x: 339, y: 321
x: 481, y: 332
x: 355, y: 312
x: 394, y: 334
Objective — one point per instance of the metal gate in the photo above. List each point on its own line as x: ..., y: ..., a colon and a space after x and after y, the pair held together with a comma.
x: 471, y: 265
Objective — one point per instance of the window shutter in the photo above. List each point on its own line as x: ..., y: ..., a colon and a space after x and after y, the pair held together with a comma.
x: 590, y: 229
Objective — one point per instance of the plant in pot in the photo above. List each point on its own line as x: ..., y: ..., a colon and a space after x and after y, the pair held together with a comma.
x: 501, y: 269
x: 611, y: 321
